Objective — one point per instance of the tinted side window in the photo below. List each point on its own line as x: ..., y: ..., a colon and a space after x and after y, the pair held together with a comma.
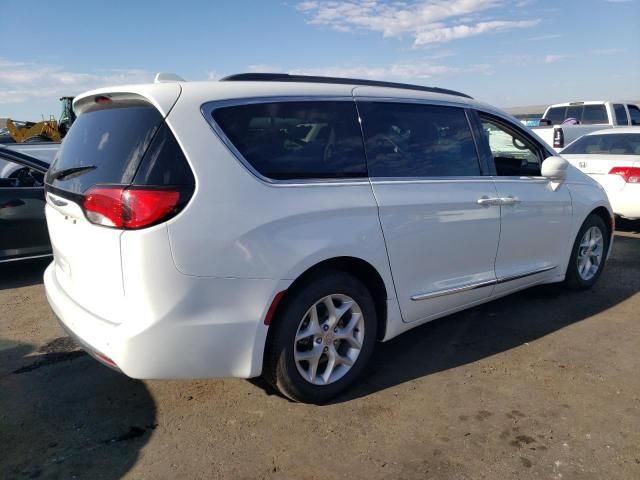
x: 621, y: 114
x: 594, y: 114
x: 413, y: 140
x: 634, y: 111
x: 297, y: 140
x: 164, y: 162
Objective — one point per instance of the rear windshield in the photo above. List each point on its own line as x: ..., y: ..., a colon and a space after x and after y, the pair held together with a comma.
x: 606, y: 144
x: 109, y: 142
x: 584, y: 114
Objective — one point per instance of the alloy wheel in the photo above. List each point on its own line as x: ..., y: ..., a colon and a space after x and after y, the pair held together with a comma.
x: 329, y: 339
x: 590, y: 253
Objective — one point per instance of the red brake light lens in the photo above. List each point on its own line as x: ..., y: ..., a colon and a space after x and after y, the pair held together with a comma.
x: 129, y: 207
x: 558, y: 138
x: 630, y: 174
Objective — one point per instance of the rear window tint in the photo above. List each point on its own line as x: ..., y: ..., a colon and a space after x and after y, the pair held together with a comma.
x: 411, y: 140
x: 297, y: 140
x: 556, y: 115
x: 112, y: 140
x: 606, y: 144
x: 585, y: 114
x: 594, y: 114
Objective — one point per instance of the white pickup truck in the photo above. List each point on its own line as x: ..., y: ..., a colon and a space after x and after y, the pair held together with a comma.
x: 563, y: 123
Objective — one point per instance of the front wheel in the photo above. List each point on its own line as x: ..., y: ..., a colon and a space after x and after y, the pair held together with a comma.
x: 324, y: 335
x: 588, y: 255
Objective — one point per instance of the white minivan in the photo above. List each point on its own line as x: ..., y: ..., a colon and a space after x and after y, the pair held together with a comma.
x: 281, y: 225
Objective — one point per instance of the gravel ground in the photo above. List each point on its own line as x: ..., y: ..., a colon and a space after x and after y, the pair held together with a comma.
x: 542, y: 384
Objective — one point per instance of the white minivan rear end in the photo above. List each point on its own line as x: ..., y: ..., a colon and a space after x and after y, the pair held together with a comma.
x: 117, y: 183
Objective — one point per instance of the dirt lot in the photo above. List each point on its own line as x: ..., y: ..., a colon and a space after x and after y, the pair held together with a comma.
x: 543, y: 384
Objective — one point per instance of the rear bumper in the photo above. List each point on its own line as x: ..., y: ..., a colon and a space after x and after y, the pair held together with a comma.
x: 216, y: 332
x: 626, y: 202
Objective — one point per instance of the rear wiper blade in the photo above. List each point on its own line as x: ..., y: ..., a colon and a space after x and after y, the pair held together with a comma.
x: 67, y: 173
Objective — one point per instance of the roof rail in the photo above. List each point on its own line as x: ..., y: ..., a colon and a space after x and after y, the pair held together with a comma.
x: 285, y: 77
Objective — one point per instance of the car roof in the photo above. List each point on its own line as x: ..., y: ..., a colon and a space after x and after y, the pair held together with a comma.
x: 202, y: 92
x: 617, y: 130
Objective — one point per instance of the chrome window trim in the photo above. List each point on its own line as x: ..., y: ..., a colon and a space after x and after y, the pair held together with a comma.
x: 422, y: 180
x: 32, y: 257
x: 512, y: 179
x: 474, y: 286
x: 207, y: 109
x: 426, y: 101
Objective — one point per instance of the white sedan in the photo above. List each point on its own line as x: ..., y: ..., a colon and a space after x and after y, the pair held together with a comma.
x: 612, y: 158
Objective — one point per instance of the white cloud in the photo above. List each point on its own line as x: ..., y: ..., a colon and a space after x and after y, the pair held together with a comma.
x: 25, y: 81
x: 409, y: 71
x: 554, y: 58
x: 446, y: 34
x: 426, y: 21
x: 607, y: 51
x: 546, y: 37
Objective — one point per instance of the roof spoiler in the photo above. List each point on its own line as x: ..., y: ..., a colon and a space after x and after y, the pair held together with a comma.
x: 167, y: 77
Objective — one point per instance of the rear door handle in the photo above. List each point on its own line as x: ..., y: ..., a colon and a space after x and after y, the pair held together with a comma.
x: 487, y: 201
x: 509, y: 200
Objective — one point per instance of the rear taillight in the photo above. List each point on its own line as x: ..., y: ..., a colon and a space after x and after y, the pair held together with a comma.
x: 130, y: 207
x: 630, y: 174
x: 558, y: 138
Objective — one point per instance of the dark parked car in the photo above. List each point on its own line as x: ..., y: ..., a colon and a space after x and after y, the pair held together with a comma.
x: 23, y: 229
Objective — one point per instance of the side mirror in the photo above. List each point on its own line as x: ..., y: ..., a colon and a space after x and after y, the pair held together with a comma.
x: 544, y: 122
x: 555, y: 168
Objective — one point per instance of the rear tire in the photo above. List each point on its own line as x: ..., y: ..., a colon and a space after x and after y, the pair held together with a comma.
x: 588, y: 255
x: 337, y: 342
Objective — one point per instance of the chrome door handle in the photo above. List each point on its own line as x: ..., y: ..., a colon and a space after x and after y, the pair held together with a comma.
x: 487, y: 202
x: 510, y: 201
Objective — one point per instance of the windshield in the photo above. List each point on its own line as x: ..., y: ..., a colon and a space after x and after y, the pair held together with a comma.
x: 605, y: 144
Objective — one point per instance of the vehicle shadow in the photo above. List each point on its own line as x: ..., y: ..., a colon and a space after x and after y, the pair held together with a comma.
x: 63, y: 415
x: 22, y: 273
x: 498, y: 326
x: 629, y: 226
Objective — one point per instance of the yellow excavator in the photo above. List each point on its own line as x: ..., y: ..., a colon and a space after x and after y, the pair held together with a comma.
x: 47, y: 130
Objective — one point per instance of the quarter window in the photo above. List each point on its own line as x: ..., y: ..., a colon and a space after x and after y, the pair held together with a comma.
x: 621, y: 114
x: 297, y: 140
x: 415, y: 140
x: 513, y: 153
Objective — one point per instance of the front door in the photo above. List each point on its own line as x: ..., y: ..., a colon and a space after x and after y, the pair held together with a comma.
x: 23, y: 229
x: 535, y: 213
x: 427, y: 180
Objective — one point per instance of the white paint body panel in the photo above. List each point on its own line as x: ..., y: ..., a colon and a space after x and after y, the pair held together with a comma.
x: 420, y: 219
x: 188, y: 298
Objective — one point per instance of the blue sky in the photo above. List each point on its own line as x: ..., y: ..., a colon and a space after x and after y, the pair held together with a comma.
x: 509, y: 53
